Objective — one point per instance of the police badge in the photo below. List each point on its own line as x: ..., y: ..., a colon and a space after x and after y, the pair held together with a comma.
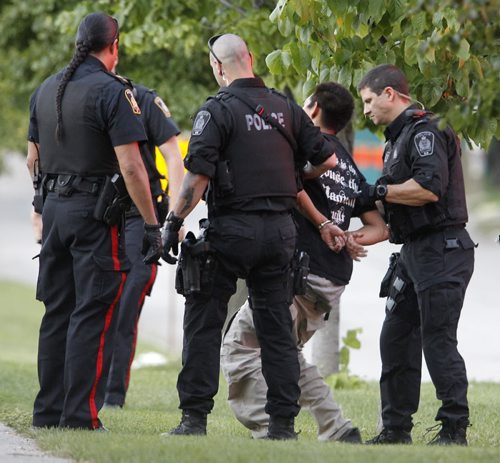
x: 201, y: 122
x: 424, y: 142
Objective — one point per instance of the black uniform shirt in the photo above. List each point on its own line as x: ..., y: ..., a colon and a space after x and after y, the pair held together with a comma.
x: 334, y: 195
x: 213, y: 127
x: 156, y: 116
x: 424, y: 152
x: 108, y: 113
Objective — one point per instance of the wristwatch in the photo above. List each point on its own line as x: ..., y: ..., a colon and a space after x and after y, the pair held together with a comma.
x: 381, y: 191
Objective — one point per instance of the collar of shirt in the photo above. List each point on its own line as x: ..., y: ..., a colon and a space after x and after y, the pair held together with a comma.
x: 89, y: 65
x: 247, y: 82
x: 394, y: 128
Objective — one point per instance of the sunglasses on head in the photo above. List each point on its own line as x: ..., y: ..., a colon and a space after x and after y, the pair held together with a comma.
x: 211, y: 42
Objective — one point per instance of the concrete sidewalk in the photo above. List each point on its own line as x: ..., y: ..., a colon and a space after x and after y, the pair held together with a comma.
x: 18, y: 449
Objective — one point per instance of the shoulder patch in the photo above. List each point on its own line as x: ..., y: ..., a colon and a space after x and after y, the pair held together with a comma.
x: 201, y: 122
x: 424, y: 142
x: 160, y: 103
x: 132, y: 101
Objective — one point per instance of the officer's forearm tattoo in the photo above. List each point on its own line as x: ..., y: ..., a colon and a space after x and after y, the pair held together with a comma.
x: 187, y: 195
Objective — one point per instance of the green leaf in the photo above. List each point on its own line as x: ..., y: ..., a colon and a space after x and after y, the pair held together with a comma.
x: 308, y: 87
x: 410, y: 54
x: 274, y: 62
x: 463, y: 50
x: 376, y: 9
x: 462, y: 84
x: 276, y: 13
x: 351, y: 338
x: 419, y: 23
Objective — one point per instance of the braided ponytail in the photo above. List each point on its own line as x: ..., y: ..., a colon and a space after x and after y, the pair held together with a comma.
x: 96, y: 32
x: 81, y: 52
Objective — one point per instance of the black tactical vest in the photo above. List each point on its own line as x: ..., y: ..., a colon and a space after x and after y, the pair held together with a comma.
x: 86, y: 148
x: 259, y: 158
x: 408, y: 221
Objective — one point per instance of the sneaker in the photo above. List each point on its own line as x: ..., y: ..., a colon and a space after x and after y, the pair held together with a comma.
x: 391, y: 436
x: 192, y: 424
x: 281, y: 428
x: 449, y: 435
x: 352, y: 436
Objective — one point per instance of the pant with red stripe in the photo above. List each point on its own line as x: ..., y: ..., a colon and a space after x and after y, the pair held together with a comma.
x: 140, y: 280
x: 81, y: 277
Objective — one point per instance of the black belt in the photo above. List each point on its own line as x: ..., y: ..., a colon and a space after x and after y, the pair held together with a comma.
x: 430, y: 231
x: 67, y: 184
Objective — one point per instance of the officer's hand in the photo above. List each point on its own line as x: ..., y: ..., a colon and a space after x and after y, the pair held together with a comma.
x: 151, y: 243
x: 170, y: 238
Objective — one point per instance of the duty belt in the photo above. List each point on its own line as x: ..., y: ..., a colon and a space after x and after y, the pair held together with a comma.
x: 430, y: 231
x: 67, y: 184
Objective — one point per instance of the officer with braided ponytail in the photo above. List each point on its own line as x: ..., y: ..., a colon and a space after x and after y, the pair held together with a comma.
x: 84, y: 132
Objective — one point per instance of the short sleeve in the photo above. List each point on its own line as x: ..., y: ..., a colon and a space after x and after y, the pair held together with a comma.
x: 158, y: 121
x: 33, y: 123
x: 210, y: 129
x: 429, y: 159
x: 121, y: 114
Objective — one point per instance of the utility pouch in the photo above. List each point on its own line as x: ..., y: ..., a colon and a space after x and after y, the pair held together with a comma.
x: 224, y: 179
x: 385, y: 285
x: 300, y: 271
x: 39, y: 196
x: 113, y: 201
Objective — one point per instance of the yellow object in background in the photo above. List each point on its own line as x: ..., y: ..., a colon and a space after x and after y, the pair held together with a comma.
x: 161, y: 165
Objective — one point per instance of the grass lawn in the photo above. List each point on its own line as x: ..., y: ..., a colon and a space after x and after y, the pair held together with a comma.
x: 152, y: 408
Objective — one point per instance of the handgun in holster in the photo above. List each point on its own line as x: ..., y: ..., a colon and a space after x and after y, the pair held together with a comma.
x: 39, y: 196
x: 300, y: 271
x: 385, y: 285
x: 113, y: 201
x: 196, y: 269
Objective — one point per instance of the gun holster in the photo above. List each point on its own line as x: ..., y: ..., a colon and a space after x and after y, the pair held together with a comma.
x: 113, y: 201
x: 385, y: 285
x: 197, y: 264
x: 39, y: 195
x: 300, y: 271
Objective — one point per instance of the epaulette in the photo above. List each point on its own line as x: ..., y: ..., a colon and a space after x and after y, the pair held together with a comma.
x: 124, y: 80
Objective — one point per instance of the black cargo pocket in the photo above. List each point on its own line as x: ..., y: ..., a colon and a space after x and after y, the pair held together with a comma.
x: 108, y: 277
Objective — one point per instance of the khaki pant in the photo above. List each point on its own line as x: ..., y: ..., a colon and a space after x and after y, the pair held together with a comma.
x: 241, y: 364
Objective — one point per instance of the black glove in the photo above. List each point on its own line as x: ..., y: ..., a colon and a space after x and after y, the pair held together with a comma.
x: 170, y: 238
x: 151, y: 243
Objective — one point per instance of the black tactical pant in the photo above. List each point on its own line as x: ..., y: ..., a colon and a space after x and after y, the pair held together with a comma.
x: 81, y: 277
x: 422, y: 312
x: 140, y: 280
x: 259, y: 248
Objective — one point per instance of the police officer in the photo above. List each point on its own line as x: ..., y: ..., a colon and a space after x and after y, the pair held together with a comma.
x: 327, y: 204
x: 248, y: 167
x: 84, y: 129
x: 162, y: 132
x: 422, y: 190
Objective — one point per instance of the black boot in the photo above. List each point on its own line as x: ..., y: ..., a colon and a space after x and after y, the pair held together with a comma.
x: 449, y: 434
x: 391, y: 436
x: 281, y: 428
x: 352, y: 436
x: 192, y: 424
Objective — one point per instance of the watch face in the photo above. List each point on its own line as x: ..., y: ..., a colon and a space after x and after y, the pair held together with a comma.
x: 381, y: 191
